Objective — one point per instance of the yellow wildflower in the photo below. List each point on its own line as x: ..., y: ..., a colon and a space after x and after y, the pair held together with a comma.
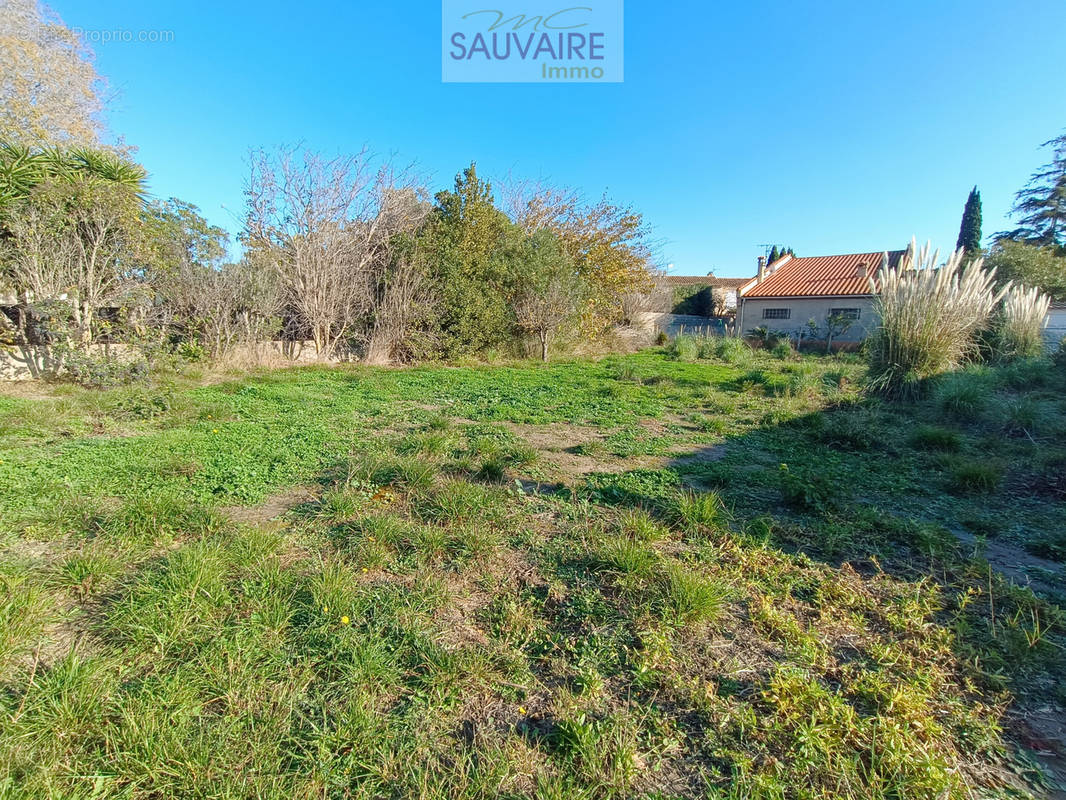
x: 345, y: 620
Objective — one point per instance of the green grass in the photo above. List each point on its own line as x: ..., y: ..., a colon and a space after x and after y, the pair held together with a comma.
x: 438, y: 583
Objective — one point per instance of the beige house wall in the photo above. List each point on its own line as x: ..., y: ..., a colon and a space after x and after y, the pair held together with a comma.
x: 803, y: 309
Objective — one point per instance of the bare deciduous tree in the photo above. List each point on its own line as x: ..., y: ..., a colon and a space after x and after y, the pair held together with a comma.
x: 50, y: 92
x: 327, y: 226
x: 75, y: 245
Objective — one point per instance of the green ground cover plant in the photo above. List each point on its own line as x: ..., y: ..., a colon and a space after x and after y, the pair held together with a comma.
x: 725, y: 575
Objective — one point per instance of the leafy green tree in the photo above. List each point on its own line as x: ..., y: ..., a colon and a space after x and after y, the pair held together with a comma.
x: 970, y: 229
x: 549, y: 292
x: 1041, y: 205
x: 1031, y: 265
x: 180, y: 234
x: 470, y: 245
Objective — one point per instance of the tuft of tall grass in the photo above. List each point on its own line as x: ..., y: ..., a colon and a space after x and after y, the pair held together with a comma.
x: 964, y: 394
x: 930, y: 317
x: 684, y: 348
x: 733, y: 350
x: 1019, y: 331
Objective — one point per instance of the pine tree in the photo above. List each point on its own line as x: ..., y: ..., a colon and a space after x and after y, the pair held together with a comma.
x: 970, y: 230
x: 1041, y: 205
x: 774, y: 255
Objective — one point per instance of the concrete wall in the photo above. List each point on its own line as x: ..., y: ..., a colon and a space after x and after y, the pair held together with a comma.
x: 673, y: 324
x: 751, y: 315
x: 1056, y: 325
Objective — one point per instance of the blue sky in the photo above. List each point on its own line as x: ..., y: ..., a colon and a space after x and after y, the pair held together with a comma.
x: 829, y: 126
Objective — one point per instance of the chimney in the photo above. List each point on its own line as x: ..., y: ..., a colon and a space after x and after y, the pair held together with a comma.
x: 762, y: 268
x: 862, y: 270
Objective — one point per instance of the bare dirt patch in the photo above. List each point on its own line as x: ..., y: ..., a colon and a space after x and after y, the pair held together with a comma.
x: 561, y: 446
x: 271, y: 509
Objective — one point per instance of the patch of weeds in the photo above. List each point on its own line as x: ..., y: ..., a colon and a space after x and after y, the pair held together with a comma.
x: 854, y: 429
x: 808, y: 491
x: 459, y: 500
x: 783, y: 350
x: 86, y: 573
x: 636, y: 487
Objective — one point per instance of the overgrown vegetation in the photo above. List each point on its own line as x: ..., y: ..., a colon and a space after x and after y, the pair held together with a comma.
x: 637, y: 577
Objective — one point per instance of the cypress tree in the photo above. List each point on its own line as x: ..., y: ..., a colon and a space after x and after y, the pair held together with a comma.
x: 970, y: 230
x: 774, y: 255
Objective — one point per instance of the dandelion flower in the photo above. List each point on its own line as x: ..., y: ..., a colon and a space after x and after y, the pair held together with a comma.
x: 325, y: 609
x: 345, y: 620
x: 521, y: 709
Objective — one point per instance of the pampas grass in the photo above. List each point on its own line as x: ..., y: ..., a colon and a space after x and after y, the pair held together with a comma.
x: 1021, y: 322
x: 930, y: 317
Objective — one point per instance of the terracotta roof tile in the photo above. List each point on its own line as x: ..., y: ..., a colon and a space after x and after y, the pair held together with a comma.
x: 821, y: 276
x: 705, y: 280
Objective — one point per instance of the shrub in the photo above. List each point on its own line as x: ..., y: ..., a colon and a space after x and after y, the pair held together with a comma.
x: 930, y: 317
x: 1019, y: 330
x: 766, y: 337
x: 930, y: 437
x: 1060, y: 355
x: 807, y: 492
x: 783, y: 350
x: 661, y: 338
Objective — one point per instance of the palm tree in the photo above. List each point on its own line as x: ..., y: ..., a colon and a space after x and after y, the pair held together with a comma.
x: 23, y: 168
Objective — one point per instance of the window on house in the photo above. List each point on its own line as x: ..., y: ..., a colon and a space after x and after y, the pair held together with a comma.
x: 776, y: 313
x: 847, y: 313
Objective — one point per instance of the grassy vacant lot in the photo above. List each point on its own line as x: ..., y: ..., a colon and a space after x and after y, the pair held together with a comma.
x: 636, y: 577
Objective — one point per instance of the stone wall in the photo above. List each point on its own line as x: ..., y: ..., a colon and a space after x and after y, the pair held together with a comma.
x: 35, y: 361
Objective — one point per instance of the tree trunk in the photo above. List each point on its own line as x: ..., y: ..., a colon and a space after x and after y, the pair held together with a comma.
x: 544, y: 347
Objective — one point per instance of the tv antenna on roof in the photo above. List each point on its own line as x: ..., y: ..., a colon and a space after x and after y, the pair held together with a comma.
x: 767, y: 248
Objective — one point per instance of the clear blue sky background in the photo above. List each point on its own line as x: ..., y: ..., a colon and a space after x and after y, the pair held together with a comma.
x: 829, y: 126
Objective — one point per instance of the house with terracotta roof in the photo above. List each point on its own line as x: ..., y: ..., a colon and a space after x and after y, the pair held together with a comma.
x: 787, y: 294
